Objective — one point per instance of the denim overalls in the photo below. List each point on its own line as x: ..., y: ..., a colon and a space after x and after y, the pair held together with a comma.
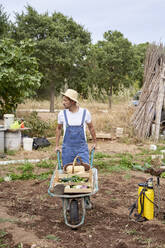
x: 74, y: 142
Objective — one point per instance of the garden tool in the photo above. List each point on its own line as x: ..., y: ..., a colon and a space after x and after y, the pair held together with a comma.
x: 145, y: 201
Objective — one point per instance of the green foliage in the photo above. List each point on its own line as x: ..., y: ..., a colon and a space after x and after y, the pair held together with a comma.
x: 38, y: 127
x: 45, y: 164
x: 61, y: 45
x: 99, y: 155
x: 117, y: 162
x: 2, y: 233
x: 19, y: 76
x: 11, y: 152
x: 113, y: 63
x: 126, y: 162
x: 140, y: 52
x: 163, y: 175
x: 26, y: 171
x: 53, y: 237
x: 4, y: 23
x: 45, y: 175
x: 26, y: 167
x: 24, y: 176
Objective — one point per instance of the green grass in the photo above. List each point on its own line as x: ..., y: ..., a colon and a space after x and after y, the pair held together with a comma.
x: 127, y: 177
x: 26, y: 167
x: 131, y: 232
x: 3, y: 240
x: 2, y: 233
x: 99, y: 155
x: 46, y: 164
x: 10, y: 152
x: 124, y: 161
x: 3, y: 220
x: 26, y: 171
x: 105, y: 162
x: 52, y: 237
x: 102, y: 161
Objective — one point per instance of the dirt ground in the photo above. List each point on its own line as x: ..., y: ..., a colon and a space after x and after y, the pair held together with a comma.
x: 30, y: 218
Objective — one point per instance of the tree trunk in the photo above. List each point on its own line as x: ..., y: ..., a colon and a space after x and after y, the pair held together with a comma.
x: 110, y: 96
x: 52, y: 89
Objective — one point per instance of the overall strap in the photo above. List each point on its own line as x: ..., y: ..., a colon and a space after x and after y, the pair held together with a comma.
x: 83, y: 117
x: 66, y: 119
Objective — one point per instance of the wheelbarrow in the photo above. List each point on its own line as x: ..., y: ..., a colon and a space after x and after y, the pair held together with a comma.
x: 73, y: 203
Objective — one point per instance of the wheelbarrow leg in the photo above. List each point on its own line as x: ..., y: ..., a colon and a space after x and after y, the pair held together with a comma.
x: 88, y: 204
x: 65, y: 205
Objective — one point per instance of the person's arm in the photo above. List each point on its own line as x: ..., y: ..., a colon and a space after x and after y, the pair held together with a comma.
x: 93, y: 134
x: 58, y: 134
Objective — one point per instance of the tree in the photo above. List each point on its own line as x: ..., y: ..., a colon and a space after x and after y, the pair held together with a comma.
x: 140, y: 52
x: 114, y: 62
x: 61, y: 47
x: 4, y: 23
x: 19, y: 76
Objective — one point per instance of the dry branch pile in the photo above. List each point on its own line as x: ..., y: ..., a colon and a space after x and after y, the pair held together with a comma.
x: 152, y: 96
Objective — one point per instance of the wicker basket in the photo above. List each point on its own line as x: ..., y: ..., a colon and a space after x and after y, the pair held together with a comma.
x: 76, y: 167
x: 75, y: 170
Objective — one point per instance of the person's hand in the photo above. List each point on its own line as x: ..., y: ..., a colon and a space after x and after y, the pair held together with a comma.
x: 94, y: 146
x: 57, y: 149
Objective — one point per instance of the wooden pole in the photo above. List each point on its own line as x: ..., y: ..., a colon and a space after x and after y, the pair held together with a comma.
x: 159, y: 103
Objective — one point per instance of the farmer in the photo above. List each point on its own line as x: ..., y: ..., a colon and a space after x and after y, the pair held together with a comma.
x: 73, y: 119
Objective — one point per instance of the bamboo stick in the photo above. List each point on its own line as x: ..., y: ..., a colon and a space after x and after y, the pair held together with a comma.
x: 159, y: 104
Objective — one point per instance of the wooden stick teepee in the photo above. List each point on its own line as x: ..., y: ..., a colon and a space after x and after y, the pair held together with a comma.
x: 152, y: 96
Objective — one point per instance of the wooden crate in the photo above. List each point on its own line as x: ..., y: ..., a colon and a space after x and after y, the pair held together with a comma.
x: 88, y: 175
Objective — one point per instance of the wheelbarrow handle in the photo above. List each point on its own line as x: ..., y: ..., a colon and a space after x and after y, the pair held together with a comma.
x: 58, y: 159
x: 92, y: 156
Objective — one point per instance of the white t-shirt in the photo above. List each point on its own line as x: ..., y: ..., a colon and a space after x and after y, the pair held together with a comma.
x: 74, y: 119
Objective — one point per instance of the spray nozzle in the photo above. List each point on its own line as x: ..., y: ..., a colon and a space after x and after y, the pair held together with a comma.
x: 150, y: 182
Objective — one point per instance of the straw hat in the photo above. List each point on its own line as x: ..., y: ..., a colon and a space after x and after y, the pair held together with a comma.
x: 71, y: 94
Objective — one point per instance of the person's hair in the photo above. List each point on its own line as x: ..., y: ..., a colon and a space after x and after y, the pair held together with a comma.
x: 70, y: 99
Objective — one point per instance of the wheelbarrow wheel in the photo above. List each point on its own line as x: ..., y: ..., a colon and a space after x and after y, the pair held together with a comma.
x: 74, y: 212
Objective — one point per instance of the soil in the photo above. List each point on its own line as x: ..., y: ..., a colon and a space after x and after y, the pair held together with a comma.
x: 30, y: 218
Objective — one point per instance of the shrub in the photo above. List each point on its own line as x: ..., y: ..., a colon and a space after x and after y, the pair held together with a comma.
x: 38, y: 127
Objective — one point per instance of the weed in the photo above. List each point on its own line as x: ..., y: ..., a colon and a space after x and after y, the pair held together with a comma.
x: 114, y: 168
x: 132, y: 232
x: 109, y: 192
x: 27, y: 167
x: 46, y: 164
x: 20, y: 245
x: 126, y: 162
x: 3, y: 220
x: 162, y: 175
x: 127, y: 176
x: 99, y: 155
x: 10, y: 152
x: 2, y: 233
x: 23, y: 176
x: 101, y: 165
x: 113, y: 199
x: 2, y: 245
x: 44, y: 175
x: 52, y: 237
x: 148, y: 242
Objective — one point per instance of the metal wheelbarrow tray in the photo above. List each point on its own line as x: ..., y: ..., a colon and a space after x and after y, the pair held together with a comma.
x: 75, y: 199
